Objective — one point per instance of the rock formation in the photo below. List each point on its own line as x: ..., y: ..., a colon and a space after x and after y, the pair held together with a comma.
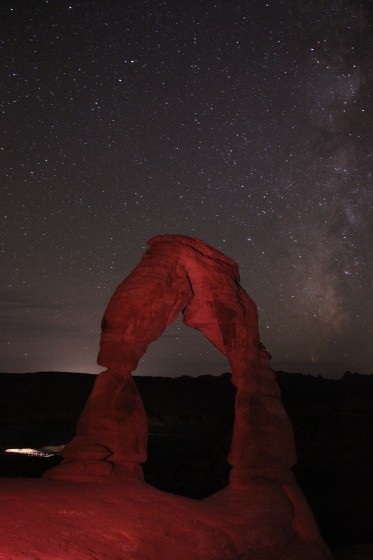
x: 183, y: 274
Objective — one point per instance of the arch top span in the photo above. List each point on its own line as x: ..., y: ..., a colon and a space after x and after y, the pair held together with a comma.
x: 198, y: 245
x: 179, y: 274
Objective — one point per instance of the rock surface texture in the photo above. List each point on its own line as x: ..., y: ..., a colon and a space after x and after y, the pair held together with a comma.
x: 262, y: 514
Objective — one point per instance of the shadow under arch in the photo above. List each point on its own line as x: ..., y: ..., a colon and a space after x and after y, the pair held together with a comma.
x: 188, y: 441
x: 190, y: 411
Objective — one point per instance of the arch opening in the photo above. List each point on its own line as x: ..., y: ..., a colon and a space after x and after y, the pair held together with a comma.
x: 190, y: 413
x: 182, y: 350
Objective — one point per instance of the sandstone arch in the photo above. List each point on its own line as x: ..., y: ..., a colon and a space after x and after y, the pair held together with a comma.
x: 183, y: 274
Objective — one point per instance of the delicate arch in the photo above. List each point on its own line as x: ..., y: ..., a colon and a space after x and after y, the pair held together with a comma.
x: 179, y: 274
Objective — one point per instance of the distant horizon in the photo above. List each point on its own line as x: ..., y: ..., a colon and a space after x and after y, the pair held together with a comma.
x: 179, y: 351
x: 277, y: 367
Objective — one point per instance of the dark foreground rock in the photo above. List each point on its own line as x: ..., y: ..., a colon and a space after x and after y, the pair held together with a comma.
x: 190, y: 422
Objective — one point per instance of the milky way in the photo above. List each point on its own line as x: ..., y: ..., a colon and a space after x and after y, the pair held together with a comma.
x: 246, y: 124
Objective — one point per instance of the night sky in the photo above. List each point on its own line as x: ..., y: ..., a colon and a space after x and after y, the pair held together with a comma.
x: 247, y: 124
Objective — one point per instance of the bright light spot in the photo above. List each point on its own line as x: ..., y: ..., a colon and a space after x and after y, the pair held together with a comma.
x: 47, y: 451
x: 29, y: 451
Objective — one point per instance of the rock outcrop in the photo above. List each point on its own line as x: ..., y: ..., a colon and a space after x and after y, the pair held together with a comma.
x: 182, y: 274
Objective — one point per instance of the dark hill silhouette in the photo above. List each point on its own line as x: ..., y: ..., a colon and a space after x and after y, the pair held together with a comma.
x: 190, y: 422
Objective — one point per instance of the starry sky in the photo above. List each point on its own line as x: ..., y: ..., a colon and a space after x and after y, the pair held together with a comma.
x: 247, y: 124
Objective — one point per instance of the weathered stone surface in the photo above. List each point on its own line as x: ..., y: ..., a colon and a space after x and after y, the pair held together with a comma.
x: 45, y: 519
x: 182, y: 274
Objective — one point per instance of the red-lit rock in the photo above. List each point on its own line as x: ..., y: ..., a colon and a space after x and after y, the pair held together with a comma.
x: 182, y: 274
x: 261, y: 515
x: 44, y: 519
